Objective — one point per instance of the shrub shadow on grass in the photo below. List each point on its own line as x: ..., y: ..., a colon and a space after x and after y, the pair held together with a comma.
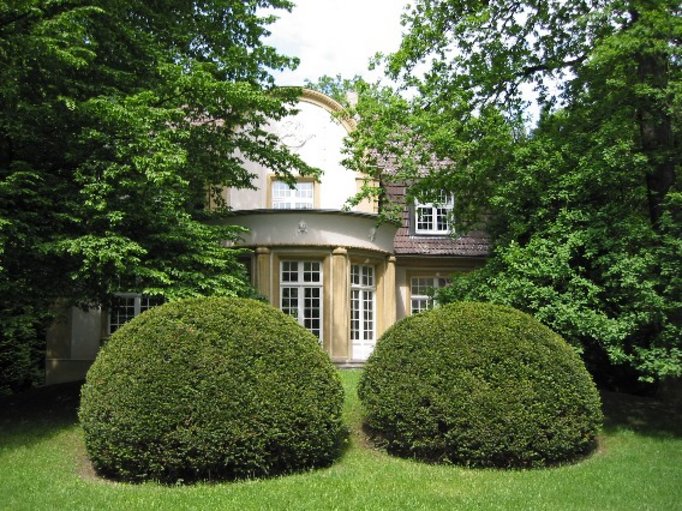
x: 36, y: 414
x: 645, y: 415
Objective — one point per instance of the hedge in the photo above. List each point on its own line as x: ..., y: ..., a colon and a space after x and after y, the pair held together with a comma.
x: 479, y: 385
x: 211, y: 388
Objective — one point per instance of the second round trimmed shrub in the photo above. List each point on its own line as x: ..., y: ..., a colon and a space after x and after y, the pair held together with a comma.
x: 479, y: 385
x: 211, y: 388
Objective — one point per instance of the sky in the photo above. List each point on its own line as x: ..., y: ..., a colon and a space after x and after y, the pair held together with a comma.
x: 333, y: 37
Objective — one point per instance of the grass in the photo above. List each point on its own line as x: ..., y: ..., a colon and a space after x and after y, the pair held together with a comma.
x: 638, y: 466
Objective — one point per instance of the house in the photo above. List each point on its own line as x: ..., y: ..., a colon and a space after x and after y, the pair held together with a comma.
x: 342, y: 275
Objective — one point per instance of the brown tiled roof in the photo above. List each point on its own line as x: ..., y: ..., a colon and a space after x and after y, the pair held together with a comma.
x: 473, y: 244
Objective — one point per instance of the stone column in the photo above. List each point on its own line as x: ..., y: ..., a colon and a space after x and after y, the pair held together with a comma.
x: 340, y: 341
x: 388, y: 314
x: 263, y: 277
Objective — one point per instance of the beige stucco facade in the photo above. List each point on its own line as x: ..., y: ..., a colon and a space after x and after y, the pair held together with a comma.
x: 73, y: 341
x: 316, y: 134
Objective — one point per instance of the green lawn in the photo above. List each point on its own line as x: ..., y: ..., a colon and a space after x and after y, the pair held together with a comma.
x: 638, y: 466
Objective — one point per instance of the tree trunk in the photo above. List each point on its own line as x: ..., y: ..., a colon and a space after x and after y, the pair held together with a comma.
x: 655, y: 127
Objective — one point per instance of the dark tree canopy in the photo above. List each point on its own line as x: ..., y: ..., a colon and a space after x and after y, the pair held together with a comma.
x: 117, y: 120
x: 584, y: 207
x: 486, y: 52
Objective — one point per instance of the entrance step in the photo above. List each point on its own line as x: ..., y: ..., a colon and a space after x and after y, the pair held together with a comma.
x: 350, y: 364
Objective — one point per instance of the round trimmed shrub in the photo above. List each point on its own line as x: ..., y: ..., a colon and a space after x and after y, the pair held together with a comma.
x: 479, y: 385
x: 211, y: 388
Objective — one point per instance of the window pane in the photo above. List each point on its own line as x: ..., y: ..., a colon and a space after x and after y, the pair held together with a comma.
x: 125, y: 308
x: 311, y: 272
x: 290, y: 301
x: 355, y: 315
x: 289, y: 272
x: 421, y: 285
x: 147, y: 302
x: 122, y: 311
x: 368, y: 305
x: 424, y: 218
x: 301, y: 293
x: 304, y: 190
x: 312, y: 310
x: 442, y: 219
x: 299, y: 197
x: 422, y: 290
x: 362, y: 303
x: 419, y: 304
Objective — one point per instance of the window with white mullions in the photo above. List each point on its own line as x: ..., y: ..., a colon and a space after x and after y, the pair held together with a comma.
x: 362, y: 304
x: 422, y: 290
x: 126, y: 306
x: 301, y: 293
x: 301, y: 196
x: 434, y: 217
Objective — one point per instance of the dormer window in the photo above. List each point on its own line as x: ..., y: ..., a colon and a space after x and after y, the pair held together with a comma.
x: 301, y: 196
x: 434, y: 217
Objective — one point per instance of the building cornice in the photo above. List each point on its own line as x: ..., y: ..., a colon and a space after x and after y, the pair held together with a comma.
x: 313, y: 228
x: 331, y: 105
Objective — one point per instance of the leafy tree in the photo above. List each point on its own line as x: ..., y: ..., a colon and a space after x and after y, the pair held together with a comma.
x: 584, y: 210
x: 118, y: 120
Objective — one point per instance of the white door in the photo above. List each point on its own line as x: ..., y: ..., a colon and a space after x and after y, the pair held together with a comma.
x: 362, y: 311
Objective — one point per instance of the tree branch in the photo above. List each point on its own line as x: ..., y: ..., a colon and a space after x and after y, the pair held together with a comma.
x: 547, y: 66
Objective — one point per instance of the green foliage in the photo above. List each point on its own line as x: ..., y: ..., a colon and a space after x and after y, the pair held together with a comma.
x: 118, y: 119
x: 583, y: 210
x: 575, y: 247
x: 211, y: 388
x: 337, y: 87
x: 479, y: 385
x: 21, y: 354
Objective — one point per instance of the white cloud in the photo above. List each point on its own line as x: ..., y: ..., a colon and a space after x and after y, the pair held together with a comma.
x: 333, y: 37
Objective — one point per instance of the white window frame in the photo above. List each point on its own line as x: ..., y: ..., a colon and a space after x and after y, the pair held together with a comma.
x: 424, y: 300
x: 434, y: 218
x: 136, y: 304
x: 300, y: 196
x: 309, y: 281
x: 362, y: 303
